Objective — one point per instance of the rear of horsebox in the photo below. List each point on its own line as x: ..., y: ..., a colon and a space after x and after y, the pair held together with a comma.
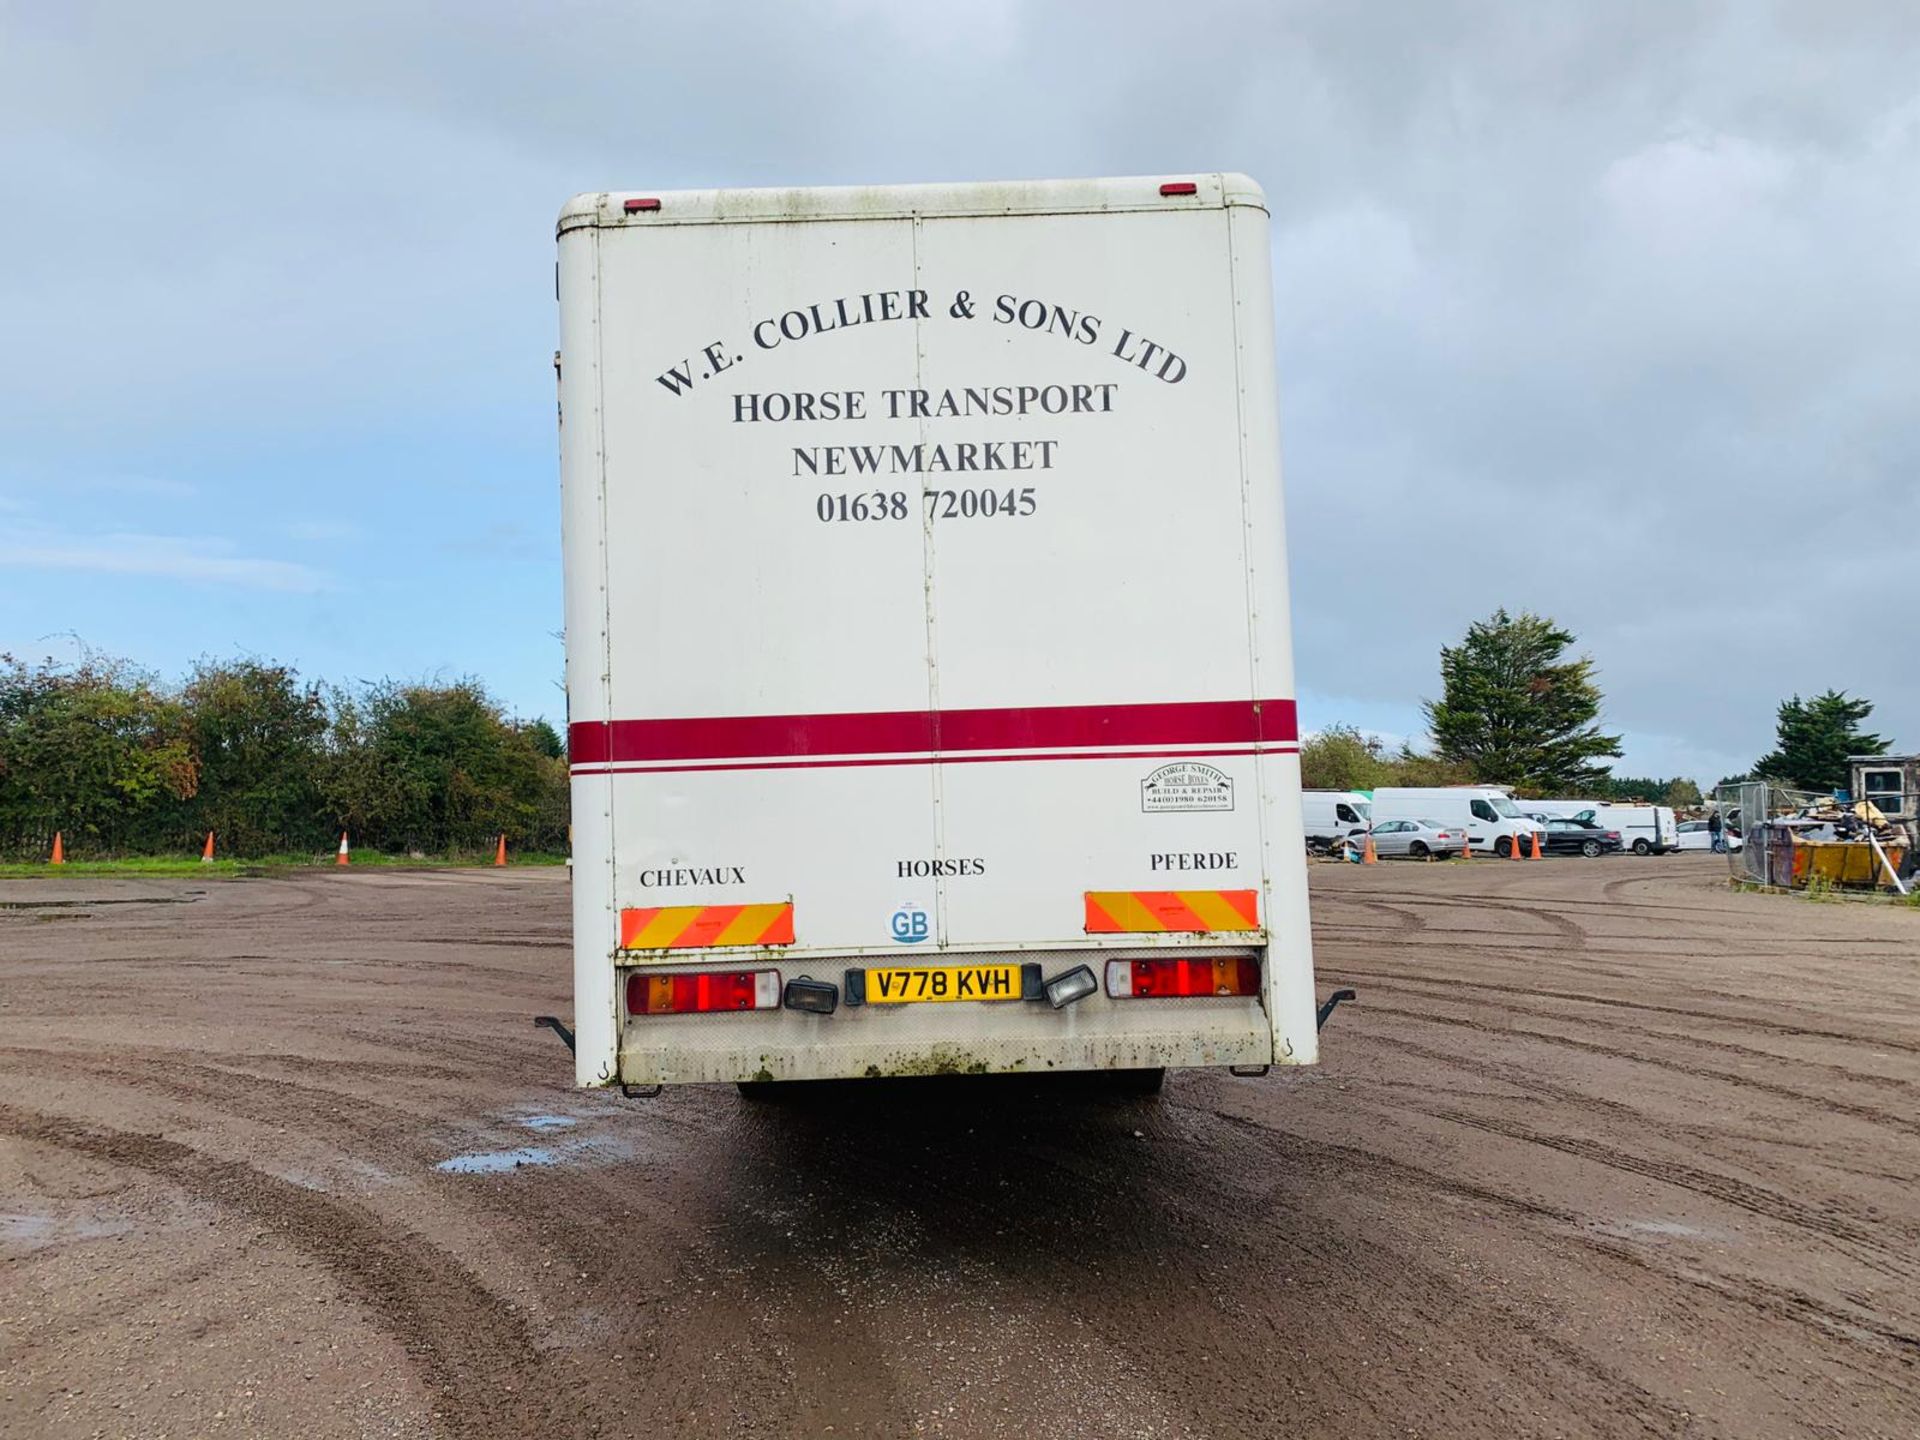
x: 928, y: 657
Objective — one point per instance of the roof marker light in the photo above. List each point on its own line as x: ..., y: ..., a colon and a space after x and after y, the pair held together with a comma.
x: 1172, y: 187
x: 634, y: 207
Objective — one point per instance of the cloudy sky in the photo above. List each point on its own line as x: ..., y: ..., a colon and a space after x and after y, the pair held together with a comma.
x: 1610, y: 311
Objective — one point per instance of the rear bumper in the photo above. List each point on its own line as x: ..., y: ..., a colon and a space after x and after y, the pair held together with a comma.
x: 691, y: 1050
x: 1015, y: 1036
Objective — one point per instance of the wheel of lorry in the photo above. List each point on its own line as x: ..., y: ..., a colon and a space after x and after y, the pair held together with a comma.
x: 1136, y: 1082
x: 1642, y: 847
x: 1590, y: 848
x: 1503, y: 847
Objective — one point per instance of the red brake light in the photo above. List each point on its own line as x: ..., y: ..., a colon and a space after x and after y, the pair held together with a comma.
x: 1162, y: 979
x: 634, y: 207
x: 686, y: 993
x: 1179, y: 187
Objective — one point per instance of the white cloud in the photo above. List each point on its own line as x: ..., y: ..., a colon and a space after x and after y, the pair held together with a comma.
x: 201, y: 559
x: 1696, y: 193
x: 1597, y: 310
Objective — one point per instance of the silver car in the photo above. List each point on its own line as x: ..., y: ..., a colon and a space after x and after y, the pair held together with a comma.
x: 1415, y: 839
x: 1694, y: 835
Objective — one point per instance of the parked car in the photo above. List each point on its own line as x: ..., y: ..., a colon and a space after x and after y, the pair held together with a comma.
x: 1482, y: 811
x: 1644, y: 829
x: 1694, y: 835
x: 1416, y: 839
x: 1578, y: 837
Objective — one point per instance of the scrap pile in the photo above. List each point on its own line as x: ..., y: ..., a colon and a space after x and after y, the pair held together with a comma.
x: 1841, y: 844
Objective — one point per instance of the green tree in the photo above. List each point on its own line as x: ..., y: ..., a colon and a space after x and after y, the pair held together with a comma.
x: 437, y: 768
x: 1341, y: 758
x: 545, y: 739
x: 1516, y: 711
x: 1637, y: 789
x: 1682, y: 794
x: 1412, y: 767
x: 257, y: 734
x: 95, y: 750
x: 1813, y: 739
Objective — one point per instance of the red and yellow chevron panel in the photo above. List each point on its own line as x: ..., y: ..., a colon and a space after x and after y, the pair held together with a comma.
x: 700, y: 927
x: 1130, y: 912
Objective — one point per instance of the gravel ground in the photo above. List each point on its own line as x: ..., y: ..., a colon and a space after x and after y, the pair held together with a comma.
x: 1602, y: 1150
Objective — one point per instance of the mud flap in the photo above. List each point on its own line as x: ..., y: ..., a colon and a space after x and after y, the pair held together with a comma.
x: 1333, y: 1002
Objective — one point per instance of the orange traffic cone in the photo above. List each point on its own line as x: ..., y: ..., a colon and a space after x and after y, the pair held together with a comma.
x: 1466, y: 846
x: 206, y: 854
x: 341, y: 858
x: 1536, y: 845
x: 1513, y: 847
x: 500, y: 852
x: 1367, y: 857
x: 59, y: 851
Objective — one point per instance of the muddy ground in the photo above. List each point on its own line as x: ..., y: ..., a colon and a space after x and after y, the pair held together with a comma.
x: 1602, y: 1150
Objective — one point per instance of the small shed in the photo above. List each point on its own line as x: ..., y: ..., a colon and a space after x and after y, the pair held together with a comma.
x: 1891, y: 782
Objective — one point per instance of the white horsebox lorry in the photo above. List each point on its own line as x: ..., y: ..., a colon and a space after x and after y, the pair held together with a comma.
x: 928, y: 661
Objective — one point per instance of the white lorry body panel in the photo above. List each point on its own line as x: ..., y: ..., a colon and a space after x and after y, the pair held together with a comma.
x: 1485, y: 812
x: 925, y: 581
x: 1644, y: 829
x: 1331, y: 815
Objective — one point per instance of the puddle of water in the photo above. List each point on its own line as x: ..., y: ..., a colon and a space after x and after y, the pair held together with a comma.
x: 26, y: 1229
x: 581, y: 1151
x: 493, y: 1162
x: 32, y: 1230
x: 548, y: 1122
x: 1664, y: 1229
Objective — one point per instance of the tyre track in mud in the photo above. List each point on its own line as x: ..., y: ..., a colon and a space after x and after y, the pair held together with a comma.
x: 1566, y: 1226
x: 269, y: 1101
x: 477, y: 1358
x: 1525, y: 1084
x: 1746, y: 1021
x: 1438, y: 1233
x: 1421, y: 987
x: 1479, y: 905
x: 1726, y: 1189
x: 1828, y: 1103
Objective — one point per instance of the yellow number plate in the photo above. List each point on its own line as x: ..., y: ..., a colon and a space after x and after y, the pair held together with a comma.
x: 943, y: 982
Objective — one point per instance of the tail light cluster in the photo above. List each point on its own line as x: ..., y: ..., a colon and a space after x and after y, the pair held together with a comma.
x: 695, y: 992
x: 1163, y: 979
x: 683, y: 994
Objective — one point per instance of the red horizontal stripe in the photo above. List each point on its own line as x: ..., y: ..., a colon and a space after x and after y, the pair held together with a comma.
x: 892, y: 732
x: 1286, y: 748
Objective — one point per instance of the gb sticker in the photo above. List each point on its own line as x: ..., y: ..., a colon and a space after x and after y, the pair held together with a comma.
x: 910, y: 924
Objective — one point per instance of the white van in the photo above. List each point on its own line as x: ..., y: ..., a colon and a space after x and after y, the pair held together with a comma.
x: 1332, y: 815
x: 1489, y: 816
x: 1644, y: 829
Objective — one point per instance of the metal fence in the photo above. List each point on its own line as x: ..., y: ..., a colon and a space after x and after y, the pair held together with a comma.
x: 1761, y: 842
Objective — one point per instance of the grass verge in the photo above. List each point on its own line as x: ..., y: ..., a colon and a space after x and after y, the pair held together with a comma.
x: 137, y: 867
